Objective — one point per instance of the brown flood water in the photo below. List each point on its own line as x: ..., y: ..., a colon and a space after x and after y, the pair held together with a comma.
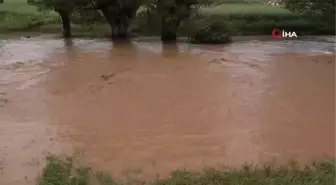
x: 160, y: 108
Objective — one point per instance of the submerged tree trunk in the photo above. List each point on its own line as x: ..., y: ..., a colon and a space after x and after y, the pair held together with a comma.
x: 119, y: 16
x: 169, y: 29
x: 66, y: 23
x: 168, y: 36
x: 107, y: 15
x: 120, y: 28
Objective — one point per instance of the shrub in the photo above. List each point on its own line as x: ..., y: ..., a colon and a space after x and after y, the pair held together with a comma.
x: 146, y: 24
x: 214, y: 32
x: 87, y: 17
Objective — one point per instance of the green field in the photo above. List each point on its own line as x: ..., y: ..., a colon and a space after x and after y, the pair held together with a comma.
x: 226, y: 9
x: 18, y: 6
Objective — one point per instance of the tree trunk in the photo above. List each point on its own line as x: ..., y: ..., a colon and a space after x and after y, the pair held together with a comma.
x: 120, y: 31
x: 168, y: 36
x: 119, y: 28
x: 169, y: 30
x: 66, y: 23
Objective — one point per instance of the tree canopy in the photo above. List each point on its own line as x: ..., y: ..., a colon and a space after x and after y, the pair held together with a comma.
x: 120, y: 13
x: 172, y: 13
x: 63, y: 7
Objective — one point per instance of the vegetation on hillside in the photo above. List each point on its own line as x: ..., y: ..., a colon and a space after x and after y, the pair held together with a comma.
x: 168, y: 18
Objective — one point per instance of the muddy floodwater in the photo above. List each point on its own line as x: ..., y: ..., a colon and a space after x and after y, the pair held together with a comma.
x: 144, y: 105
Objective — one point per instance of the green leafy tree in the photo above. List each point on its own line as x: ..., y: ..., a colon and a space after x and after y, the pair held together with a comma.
x: 118, y: 14
x: 172, y: 13
x: 63, y: 7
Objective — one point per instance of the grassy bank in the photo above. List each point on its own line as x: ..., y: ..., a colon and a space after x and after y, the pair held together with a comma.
x: 251, y: 17
x: 17, y: 15
x: 64, y: 171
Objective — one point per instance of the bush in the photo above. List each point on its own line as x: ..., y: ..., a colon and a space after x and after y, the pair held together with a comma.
x: 87, y: 17
x: 147, y: 24
x: 215, y: 32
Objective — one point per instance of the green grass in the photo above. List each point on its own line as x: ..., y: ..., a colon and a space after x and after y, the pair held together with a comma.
x: 218, y: 2
x: 226, y: 9
x: 66, y: 171
x: 18, y: 6
x: 17, y: 15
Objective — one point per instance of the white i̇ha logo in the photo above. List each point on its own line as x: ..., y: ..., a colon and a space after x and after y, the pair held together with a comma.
x: 278, y: 34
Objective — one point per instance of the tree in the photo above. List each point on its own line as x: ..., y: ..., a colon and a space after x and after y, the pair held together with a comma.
x: 63, y: 7
x: 172, y: 13
x: 118, y: 14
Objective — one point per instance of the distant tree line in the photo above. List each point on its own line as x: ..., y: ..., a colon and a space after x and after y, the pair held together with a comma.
x: 120, y: 13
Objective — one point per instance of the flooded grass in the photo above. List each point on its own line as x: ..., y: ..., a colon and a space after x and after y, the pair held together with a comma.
x: 63, y: 171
